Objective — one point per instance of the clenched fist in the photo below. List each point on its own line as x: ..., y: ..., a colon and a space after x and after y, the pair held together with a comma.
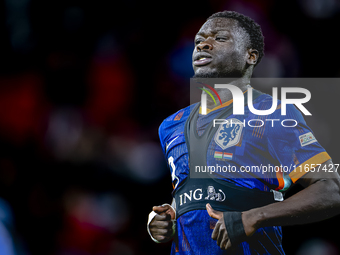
x: 162, y: 225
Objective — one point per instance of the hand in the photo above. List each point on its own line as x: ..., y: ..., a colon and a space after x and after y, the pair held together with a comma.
x: 161, y: 225
x: 220, y: 232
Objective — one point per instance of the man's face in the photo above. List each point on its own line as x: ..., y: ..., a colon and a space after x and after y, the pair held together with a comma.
x: 220, y: 49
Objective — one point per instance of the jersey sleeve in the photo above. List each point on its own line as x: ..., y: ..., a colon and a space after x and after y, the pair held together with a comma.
x: 168, y: 128
x: 161, y: 136
x: 294, y: 145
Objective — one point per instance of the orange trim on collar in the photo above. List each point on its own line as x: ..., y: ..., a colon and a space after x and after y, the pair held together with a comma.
x: 220, y: 106
x: 217, y: 107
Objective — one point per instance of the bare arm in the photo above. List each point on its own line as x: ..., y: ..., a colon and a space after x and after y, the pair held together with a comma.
x: 318, y: 201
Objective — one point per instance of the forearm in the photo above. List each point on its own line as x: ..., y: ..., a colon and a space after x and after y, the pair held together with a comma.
x: 318, y: 201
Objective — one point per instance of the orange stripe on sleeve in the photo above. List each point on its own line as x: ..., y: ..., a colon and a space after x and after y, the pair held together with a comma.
x: 279, y: 176
x: 305, y: 167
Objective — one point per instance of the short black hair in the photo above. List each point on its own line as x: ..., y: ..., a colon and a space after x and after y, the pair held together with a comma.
x: 250, y: 26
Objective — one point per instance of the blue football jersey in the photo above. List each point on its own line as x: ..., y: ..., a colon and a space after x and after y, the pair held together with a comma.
x: 267, y: 152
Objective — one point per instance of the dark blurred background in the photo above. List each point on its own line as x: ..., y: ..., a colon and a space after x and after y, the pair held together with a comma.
x: 83, y: 88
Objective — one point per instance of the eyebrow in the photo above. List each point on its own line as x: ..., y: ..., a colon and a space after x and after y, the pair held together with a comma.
x: 215, y: 31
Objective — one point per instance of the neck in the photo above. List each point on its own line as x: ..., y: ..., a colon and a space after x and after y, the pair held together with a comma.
x: 243, y: 83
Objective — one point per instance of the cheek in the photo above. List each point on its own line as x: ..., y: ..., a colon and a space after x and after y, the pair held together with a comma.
x: 230, y: 60
x: 238, y: 59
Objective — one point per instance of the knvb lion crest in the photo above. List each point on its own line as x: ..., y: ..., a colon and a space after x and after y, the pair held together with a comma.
x: 229, y: 134
x: 213, y: 195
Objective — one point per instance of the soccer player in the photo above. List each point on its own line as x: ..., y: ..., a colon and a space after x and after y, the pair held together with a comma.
x: 233, y: 213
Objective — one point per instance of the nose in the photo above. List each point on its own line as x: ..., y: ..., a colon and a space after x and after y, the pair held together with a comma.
x: 204, y: 46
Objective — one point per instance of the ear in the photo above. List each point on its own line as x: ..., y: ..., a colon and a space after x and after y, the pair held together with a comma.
x: 252, y: 57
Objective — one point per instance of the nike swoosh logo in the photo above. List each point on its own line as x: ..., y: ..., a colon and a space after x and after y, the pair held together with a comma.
x: 167, y: 146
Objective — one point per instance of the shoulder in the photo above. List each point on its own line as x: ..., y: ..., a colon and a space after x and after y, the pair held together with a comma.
x: 175, y: 119
x: 265, y: 102
x: 264, y: 99
x: 173, y: 124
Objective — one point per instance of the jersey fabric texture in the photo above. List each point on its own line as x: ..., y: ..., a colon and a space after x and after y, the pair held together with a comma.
x: 253, y: 140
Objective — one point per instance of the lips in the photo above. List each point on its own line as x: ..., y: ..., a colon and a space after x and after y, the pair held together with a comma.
x: 202, y: 59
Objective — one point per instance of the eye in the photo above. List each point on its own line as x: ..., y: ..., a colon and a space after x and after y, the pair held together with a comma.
x: 221, y: 39
x: 198, y: 41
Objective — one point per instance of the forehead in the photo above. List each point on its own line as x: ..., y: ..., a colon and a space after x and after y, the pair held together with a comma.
x: 217, y: 24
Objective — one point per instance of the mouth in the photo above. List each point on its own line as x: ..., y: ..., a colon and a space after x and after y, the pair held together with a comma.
x: 202, y: 59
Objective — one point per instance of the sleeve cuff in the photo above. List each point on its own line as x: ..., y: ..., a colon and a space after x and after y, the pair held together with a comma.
x: 306, y: 166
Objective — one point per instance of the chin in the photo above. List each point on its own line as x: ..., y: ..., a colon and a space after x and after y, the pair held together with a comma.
x: 208, y: 75
x: 217, y: 74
